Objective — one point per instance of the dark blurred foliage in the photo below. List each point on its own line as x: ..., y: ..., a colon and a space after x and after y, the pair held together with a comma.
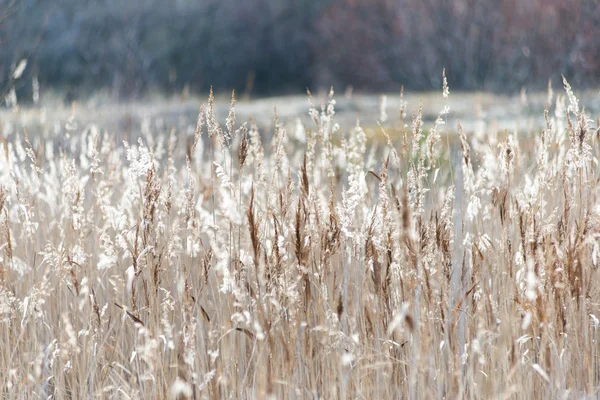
x: 269, y: 46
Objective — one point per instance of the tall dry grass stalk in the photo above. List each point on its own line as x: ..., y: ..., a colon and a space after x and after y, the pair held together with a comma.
x: 211, y: 265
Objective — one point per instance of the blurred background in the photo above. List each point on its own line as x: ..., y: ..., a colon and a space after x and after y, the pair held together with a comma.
x: 266, y: 47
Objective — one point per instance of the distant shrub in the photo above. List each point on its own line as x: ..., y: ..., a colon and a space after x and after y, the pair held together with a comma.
x: 274, y: 47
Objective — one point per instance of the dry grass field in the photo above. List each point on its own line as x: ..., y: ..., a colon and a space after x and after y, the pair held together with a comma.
x: 302, y: 258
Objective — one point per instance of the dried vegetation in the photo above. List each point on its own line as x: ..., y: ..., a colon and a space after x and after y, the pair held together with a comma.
x: 221, y: 262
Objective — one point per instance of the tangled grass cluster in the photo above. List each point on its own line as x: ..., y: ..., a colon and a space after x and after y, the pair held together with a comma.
x: 208, y: 264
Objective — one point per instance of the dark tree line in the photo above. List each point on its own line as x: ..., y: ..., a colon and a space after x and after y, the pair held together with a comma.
x: 270, y: 46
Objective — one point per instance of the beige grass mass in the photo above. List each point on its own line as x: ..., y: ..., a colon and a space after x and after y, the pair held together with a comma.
x: 309, y: 261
